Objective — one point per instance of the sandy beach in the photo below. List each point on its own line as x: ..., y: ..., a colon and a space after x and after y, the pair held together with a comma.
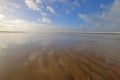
x: 59, y: 56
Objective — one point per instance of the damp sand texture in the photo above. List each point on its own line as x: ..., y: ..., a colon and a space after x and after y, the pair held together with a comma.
x: 26, y: 56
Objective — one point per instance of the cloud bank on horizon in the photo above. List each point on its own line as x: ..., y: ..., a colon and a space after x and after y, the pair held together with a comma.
x: 60, y: 15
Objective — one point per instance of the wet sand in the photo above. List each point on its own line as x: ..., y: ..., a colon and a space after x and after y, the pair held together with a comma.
x: 59, y: 57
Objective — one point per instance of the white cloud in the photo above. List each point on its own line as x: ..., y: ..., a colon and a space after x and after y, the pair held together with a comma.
x: 6, y: 5
x: 84, y: 17
x: 12, y: 24
x: 50, y: 9
x: 31, y: 4
x: 38, y: 1
x: 43, y: 14
x: 15, y: 24
x: 45, y: 20
x: 104, y: 6
x: 108, y: 20
x: 2, y: 17
x: 75, y: 3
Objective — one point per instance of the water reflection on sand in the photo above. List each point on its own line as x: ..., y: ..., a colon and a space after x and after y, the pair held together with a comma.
x: 35, y: 56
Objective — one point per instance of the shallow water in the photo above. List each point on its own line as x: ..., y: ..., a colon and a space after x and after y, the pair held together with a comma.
x: 55, y: 56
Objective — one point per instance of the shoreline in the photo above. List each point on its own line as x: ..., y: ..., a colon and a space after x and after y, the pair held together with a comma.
x: 111, y: 33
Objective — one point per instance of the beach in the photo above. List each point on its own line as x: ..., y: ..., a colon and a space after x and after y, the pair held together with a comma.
x: 35, y: 56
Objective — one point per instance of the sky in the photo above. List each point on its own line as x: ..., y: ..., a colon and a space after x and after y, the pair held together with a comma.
x: 60, y: 15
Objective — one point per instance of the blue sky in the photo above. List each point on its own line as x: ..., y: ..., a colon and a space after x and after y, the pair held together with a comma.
x: 59, y: 15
